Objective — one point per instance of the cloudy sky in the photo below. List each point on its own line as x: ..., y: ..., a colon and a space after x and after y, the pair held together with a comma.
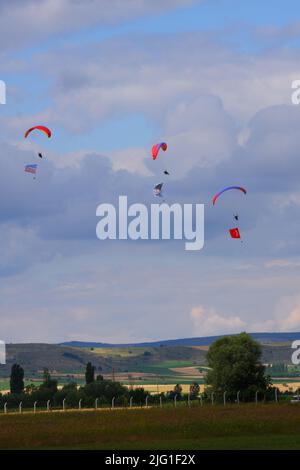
x: 213, y: 78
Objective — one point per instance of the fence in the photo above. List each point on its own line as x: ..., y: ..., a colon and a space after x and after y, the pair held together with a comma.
x: 157, y: 401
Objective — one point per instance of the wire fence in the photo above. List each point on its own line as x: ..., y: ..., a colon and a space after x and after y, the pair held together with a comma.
x: 121, y: 403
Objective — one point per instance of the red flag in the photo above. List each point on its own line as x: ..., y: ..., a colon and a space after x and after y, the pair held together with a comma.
x: 234, y: 232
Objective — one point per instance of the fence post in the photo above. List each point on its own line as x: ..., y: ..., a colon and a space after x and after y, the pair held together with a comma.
x: 130, y: 402
x: 64, y: 404
x: 224, y: 398
x: 256, y: 393
x: 34, y: 406
x: 147, y: 401
x: 175, y: 400
x: 48, y: 405
x: 276, y: 395
x: 160, y: 401
x: 20, y: 407
x: 79, y: 404
x: 113, y: 402
x: 96, y: 403
x: 212, y: 398
x: 189, y: 400
x: 5, y: 407
x: 201, y: 400
x: 238, y: 397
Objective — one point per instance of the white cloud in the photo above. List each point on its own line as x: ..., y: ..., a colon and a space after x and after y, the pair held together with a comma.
x: 291, y: 322
x: 207, y: 322
x: 131, y: 160
x: 287, y: 314
x: 24, y: 22
x: 282, y: 263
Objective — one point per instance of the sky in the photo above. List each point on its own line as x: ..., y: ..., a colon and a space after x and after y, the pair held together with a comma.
x: 213, y: 79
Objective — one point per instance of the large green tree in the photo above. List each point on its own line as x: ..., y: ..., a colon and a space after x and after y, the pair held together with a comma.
x: 16, y: 379
x: 235, y: 365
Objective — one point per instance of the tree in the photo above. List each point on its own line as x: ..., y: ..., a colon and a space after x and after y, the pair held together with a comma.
x: 16, y: 379
x: 46, y: 376
x: 89, y: 373
x: 147, y: 354
x: 235, y: 365
x: 178, y: 389
x: 48, y: 383
x: 194, y: 390
x: 139, y: 395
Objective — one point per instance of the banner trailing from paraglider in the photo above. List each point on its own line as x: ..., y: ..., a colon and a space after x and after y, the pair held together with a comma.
x: 234, y: 233
x: 31, y: 168
x: 157, y: 190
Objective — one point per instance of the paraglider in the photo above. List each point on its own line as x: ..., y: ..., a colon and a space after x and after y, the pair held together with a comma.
x: 166, y: 172
x: 157, y: 190
x: 227, y: 189
x: 234, y: 232
x: 40, y: 128
x: 43, y: 129
x: 156, y: 148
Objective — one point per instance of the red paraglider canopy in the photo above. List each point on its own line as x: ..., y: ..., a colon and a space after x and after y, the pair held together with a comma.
x: 157, y: 147
x: 40, y: 128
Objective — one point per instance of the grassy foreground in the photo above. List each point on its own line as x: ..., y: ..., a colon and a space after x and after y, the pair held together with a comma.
x: 231, y: 427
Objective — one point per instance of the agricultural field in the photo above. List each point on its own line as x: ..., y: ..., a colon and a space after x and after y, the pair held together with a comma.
x: 208, y: 427
x: 155, y: 367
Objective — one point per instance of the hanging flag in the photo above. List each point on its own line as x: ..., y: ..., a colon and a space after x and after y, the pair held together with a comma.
x: 157, y: 190
x: 31, y: 168
x: 235, y: 233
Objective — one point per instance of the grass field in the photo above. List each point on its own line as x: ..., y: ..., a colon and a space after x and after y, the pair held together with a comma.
x: 232, y: 427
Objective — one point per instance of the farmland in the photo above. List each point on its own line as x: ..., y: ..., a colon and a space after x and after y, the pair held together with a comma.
x: 208, y: 427
x: 156, y: 367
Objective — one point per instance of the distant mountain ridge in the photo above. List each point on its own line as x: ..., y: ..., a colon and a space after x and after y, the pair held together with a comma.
x: 201, y: 341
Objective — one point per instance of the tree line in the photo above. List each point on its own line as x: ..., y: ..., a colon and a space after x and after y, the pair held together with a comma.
x: 94, y: 388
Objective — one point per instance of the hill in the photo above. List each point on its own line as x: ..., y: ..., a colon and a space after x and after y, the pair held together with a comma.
x: 263, y: 338
x: 34, y: 357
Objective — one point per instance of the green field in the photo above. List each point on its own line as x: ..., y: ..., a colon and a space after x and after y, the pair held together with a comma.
x: 4, y: 383
x: 231, y: 427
